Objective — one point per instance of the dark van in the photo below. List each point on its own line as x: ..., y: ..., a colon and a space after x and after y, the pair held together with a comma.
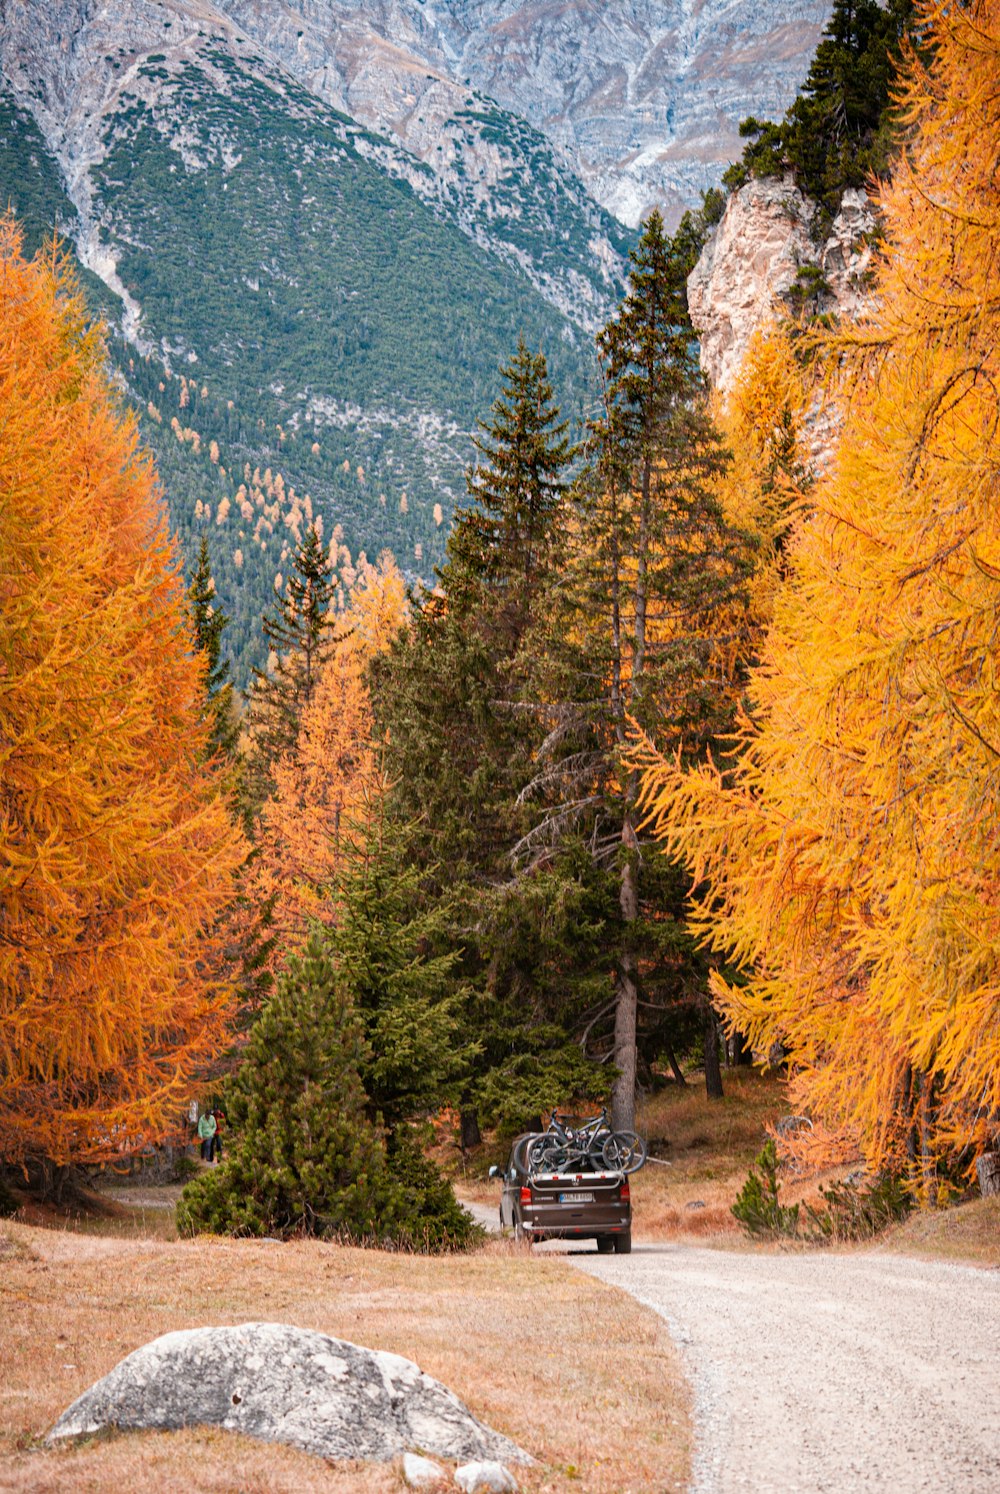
x: 566, y: 1206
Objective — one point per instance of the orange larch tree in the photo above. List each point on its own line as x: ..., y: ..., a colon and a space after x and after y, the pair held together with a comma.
x: 117, y: 845
x: 324, y: 786
x: 851, y: 863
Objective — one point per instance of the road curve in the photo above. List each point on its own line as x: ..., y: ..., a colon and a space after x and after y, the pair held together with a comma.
x: 821, y: 1372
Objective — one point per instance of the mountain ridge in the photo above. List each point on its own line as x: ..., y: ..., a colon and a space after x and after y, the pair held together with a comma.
x: 641, y: 100
x: 70, y: 61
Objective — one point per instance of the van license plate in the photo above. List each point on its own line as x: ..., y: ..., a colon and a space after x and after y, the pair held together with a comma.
x: 576, y: 1198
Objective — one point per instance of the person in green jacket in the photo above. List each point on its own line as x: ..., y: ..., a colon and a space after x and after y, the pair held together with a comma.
x: 206, y: 1131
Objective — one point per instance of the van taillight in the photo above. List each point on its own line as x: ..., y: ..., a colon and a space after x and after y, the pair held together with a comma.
x: 625, y: 1193
x: 526, y: 1195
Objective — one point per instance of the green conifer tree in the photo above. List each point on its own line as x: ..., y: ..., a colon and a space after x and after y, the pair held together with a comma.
x: 304, y: 1155
x: 298, y: 636
x: 462, y: 730
x: 209, y: 623
x: 840, y: 130
x: 503, y: 544
x: 458, y: 742
x: 638, y: 634
x: 396, y: 963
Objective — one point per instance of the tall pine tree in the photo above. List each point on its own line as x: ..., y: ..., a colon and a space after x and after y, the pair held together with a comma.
x: 299, y: 636
x: 503, y: 544
x: 641, y: 633
x: 458, y: 741
x: 208, y: 622
x: 462, y: 730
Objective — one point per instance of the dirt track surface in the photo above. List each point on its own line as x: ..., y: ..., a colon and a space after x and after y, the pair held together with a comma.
x: 823, y: 1372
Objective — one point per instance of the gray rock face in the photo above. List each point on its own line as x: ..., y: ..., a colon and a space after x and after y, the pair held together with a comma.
x: 285, y: 1384
x: 752, y: 261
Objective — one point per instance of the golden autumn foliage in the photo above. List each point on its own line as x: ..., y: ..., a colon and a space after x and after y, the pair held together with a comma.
x: 323, y: 787
x: 850, y: 865
x: 117, y: 848
x: 760, y: 424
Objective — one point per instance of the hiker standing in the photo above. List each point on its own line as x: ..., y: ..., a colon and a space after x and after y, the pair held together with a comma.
x: 215, y: 1150
x: 206, y: 1134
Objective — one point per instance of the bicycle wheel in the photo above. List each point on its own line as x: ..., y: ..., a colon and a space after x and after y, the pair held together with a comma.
x: 595, y: 1151
x: 546, y: 1154
x: 624, y: 1151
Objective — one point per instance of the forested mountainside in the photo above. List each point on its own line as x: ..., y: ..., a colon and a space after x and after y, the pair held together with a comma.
x: 641, y: 99
x: 297, y: 321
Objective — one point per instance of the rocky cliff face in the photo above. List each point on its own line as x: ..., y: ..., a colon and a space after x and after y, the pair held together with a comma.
x: 768, y: 255
x: 641, y: 98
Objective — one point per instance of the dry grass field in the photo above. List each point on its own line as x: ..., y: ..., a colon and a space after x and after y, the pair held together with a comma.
x: 579, y: 1374
x: 707, y: 1146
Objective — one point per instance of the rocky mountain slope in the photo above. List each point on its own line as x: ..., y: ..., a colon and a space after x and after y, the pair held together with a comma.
x: 71, y: 61
x: 640, y: 98
x: 294, y: 320
x: 318, y: 226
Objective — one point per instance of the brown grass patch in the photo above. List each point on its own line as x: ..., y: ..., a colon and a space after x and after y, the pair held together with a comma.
x: 968, y: 1233
x: 701, y: 1151
x: 576, y: 1372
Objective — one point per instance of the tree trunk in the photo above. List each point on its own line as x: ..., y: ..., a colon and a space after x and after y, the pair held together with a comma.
x: 675, y: 1067
x: 988, y: 1173
x: 470, y: 1133
x: 928, y: 1162
x: 908, y: 1109
x: 742, y: 1056
x: 713, y: 1071
x: 626, y: 997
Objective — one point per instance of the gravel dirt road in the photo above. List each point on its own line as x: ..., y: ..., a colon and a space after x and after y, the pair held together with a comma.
x: 824, y: 1372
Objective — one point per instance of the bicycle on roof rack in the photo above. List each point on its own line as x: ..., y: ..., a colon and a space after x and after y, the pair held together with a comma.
x: 591, y: 1145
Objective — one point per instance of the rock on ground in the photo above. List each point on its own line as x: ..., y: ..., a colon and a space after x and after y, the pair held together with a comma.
x: 285, y: 1384
x: 422, y: 1473
x: 485, y: 1478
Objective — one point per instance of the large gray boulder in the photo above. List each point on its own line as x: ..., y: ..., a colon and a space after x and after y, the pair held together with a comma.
x: 284, y: 1384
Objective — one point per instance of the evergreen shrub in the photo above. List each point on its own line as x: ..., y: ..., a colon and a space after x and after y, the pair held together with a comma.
x: 856, y: 1210
x: 852, y: 1209
x: 303, y: 1156
x: 757, y: 1207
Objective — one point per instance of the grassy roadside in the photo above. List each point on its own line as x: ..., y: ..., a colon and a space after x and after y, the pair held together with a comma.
x: 968, y: 1234
x: 582, y: 1376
